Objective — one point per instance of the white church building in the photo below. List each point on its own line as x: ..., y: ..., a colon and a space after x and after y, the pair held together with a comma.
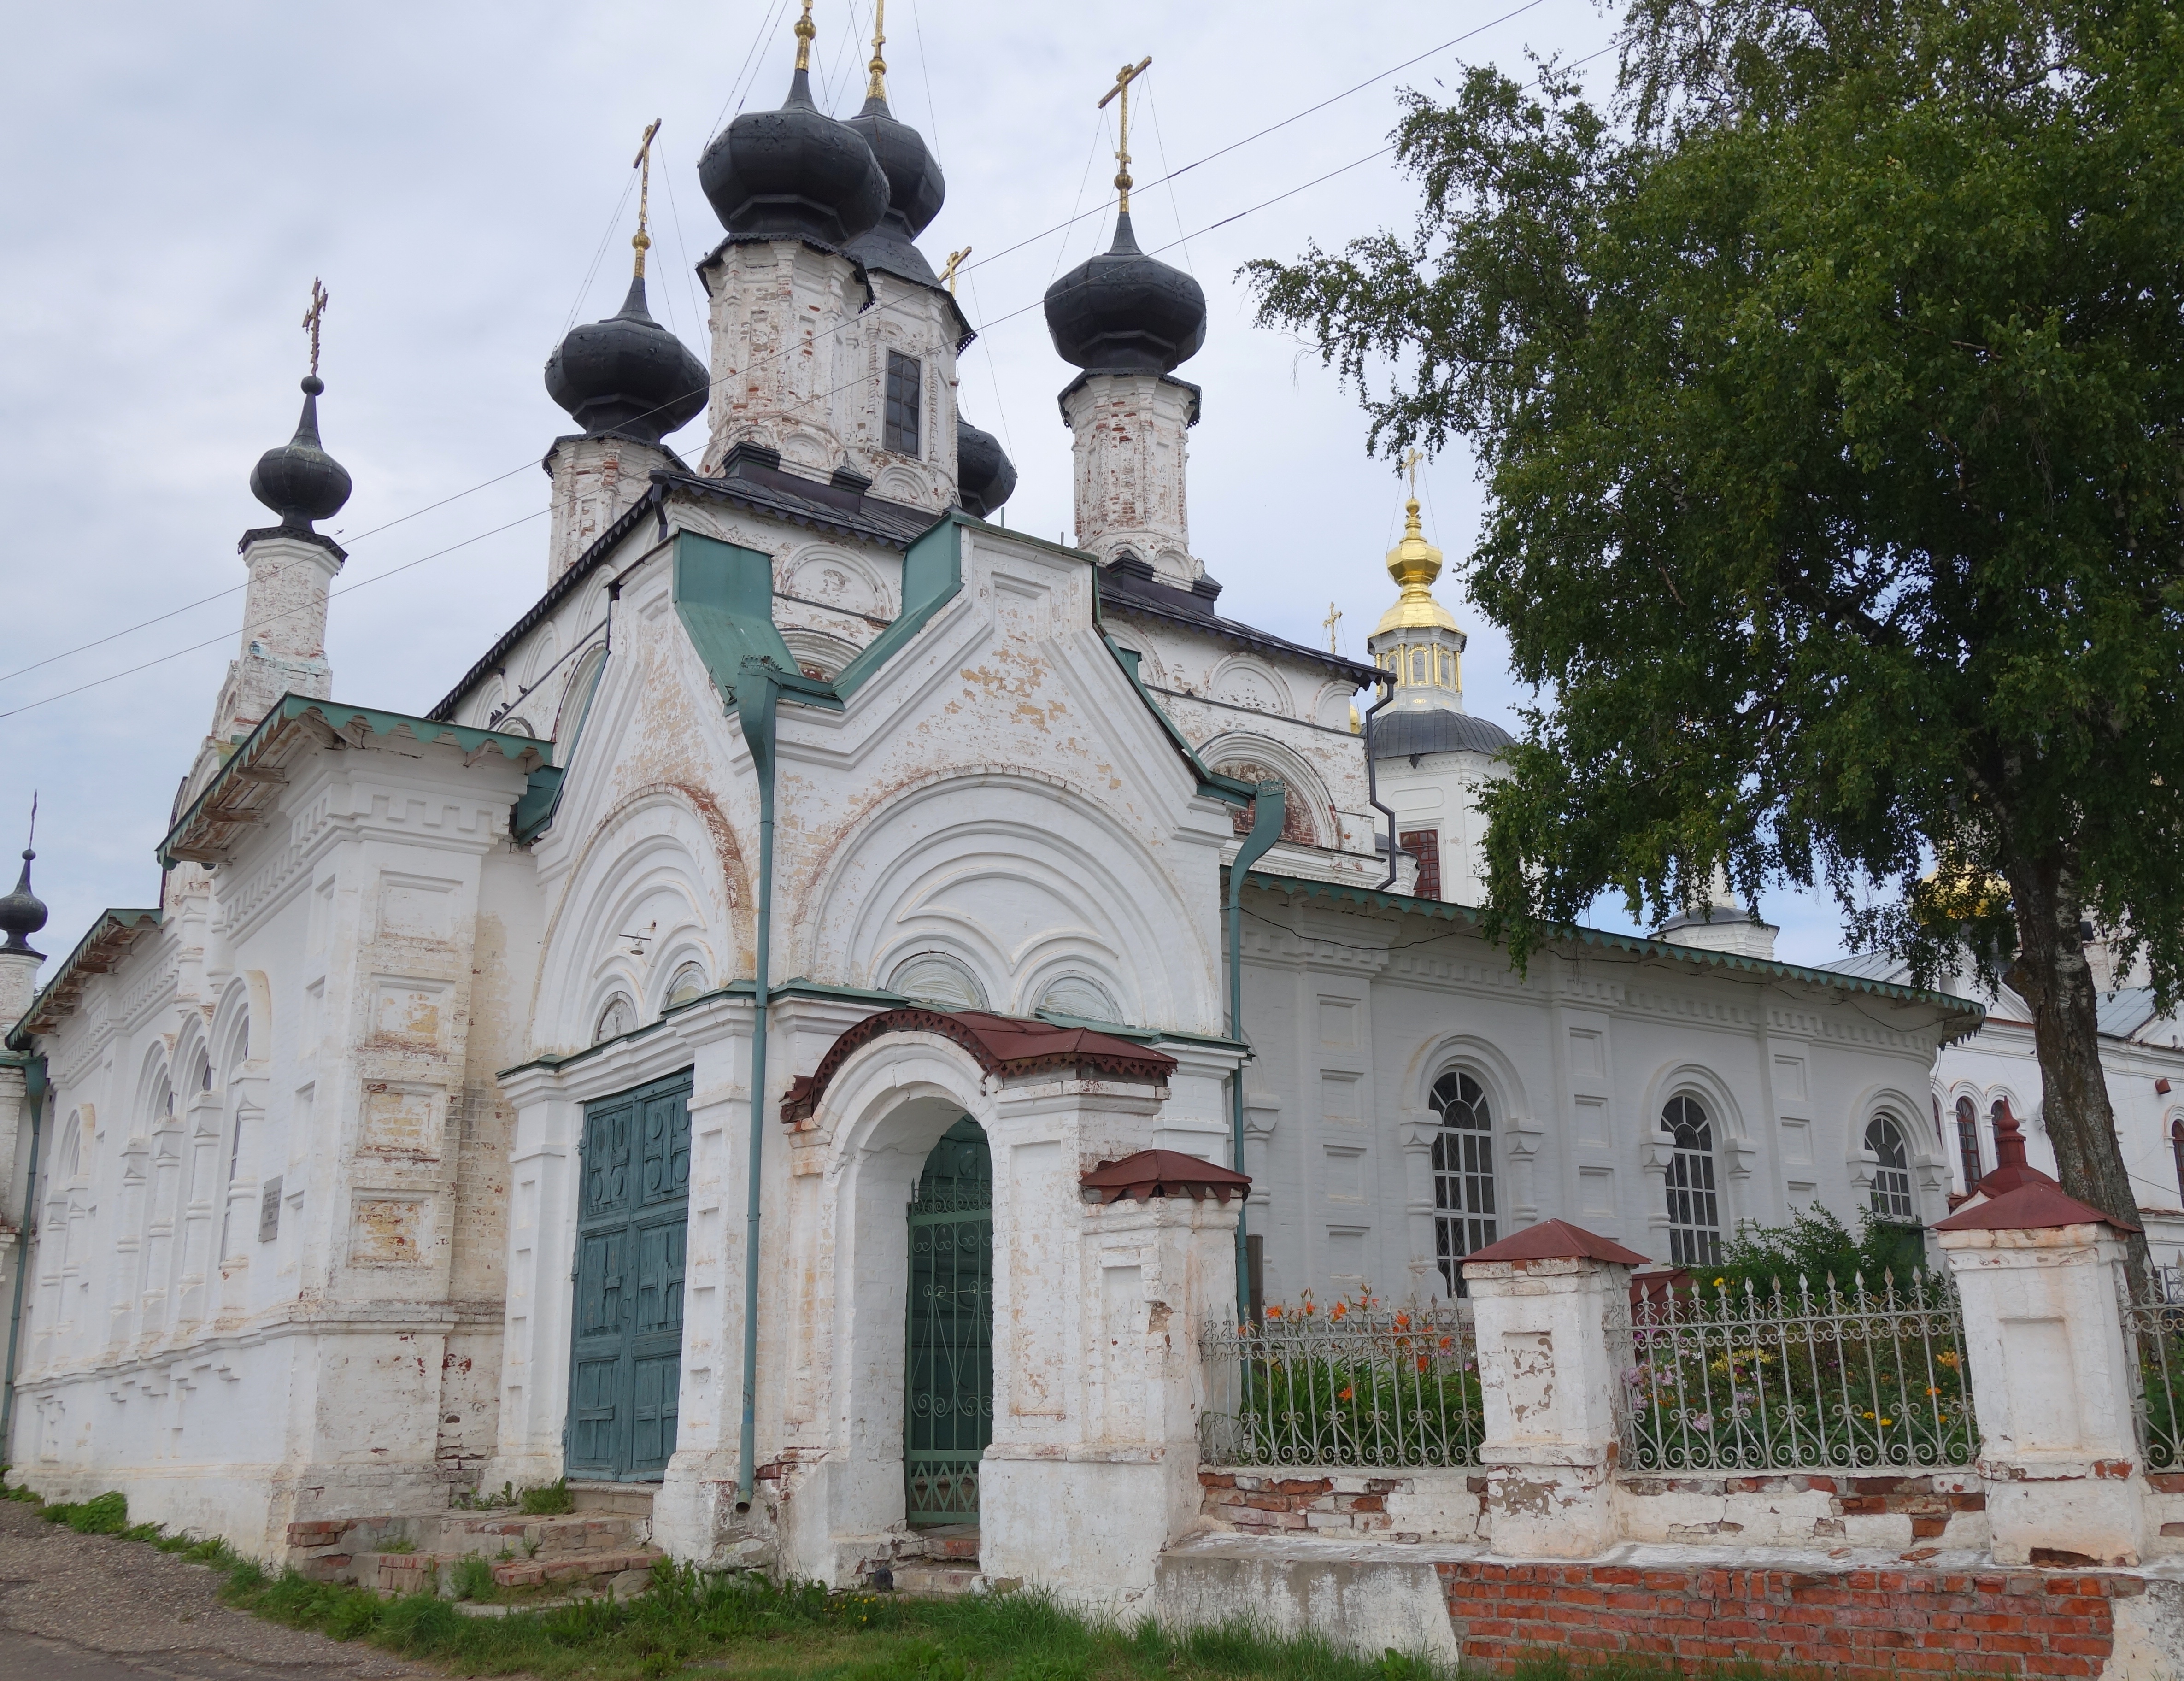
x: 685, y: 1058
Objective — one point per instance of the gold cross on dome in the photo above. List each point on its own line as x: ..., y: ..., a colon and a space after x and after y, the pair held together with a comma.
x: 643, y: 240
x: 312, y: 317
x: 1123, y: 78
x: 1411, y: 466
x: 948, y: 274
x: 877, y: 89
x: 1334, y: 618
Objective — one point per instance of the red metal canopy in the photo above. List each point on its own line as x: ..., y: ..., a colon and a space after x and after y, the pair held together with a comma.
x: 1557, y: 1240
x: 1164, y: 1173
x: 2038, y: 1206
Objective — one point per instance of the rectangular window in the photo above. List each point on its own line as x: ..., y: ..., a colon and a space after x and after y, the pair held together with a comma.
x: 904, y: 388
x: 1425, y: 845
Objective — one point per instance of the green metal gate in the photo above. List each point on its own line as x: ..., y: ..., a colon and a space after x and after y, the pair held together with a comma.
x: 948, y: 1410
x: 632, y: 1222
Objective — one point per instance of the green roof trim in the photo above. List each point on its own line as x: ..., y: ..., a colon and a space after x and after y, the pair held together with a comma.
x: 339, y: 718
x: 69, y: 976
x: 1636, y: 945
x: 931, y: 576
x: 1226, y: 789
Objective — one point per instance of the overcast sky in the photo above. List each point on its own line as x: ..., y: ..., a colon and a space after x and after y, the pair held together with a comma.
x: 458, y: 176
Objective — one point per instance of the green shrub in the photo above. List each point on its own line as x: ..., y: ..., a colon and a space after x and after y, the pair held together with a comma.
x: 473, y: 1579
x: 552, y: 1499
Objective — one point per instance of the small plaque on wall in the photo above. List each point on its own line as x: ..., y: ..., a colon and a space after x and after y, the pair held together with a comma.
x: 269, y: 1210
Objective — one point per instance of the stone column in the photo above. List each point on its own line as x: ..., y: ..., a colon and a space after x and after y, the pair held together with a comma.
x: 1543, y: 1301
x: 2040, y: 1276
x: 1100, y: 1287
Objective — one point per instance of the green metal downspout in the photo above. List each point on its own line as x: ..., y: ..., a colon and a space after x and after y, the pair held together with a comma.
x: 1266, y: 829
x: 757, y: 699
x: 34, y: 1091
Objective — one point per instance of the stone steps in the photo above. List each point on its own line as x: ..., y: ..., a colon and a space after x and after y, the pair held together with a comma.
x: 936, y: 1581
x: 602, y: 1547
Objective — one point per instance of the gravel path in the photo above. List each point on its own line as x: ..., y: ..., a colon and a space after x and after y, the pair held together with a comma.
x: 96, y: 1608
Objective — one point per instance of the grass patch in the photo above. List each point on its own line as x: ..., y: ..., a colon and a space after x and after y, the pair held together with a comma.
x: 552, y: 1499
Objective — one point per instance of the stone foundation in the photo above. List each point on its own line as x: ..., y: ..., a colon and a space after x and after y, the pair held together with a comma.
x: 1412, y: 1506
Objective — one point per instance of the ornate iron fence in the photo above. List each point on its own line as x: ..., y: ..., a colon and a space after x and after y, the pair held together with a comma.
x: 2154, y: 1328
x: 1730, y: 1378
x: 1343, y: 1388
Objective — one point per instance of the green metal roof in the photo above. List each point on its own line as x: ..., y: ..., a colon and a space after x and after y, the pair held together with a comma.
x: 195, y: 838
x: 94, y: 954
x: 1636, y: 944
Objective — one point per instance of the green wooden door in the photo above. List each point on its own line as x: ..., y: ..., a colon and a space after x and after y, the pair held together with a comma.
x: 948, y: 1410
x: 633, y: 1220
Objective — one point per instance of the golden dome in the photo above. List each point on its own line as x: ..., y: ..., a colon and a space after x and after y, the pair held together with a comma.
x: 1414, y: 564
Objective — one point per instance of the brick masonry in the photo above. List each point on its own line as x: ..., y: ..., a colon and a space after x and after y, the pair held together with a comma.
x: 1401, y: 1507
x: 1852, y: 1623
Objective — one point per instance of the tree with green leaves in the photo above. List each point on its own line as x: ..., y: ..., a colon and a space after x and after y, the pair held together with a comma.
x: 1826, y: 383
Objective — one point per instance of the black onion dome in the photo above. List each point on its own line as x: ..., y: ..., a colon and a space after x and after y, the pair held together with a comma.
x: 1122, y: 312
x: 627, y: 374
x: 794, y: 174
x: 22, y: 912
x: 985, y: 477
x: 299, y: 480
x: 1398, y: 735
x: 916, y: 192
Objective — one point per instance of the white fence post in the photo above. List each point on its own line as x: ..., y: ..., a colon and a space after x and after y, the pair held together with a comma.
x: 1542, y: 1301
x: 2041, y: 1277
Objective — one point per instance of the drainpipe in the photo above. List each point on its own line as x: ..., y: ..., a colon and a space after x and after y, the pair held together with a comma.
x: 1373, y: 779
x: 34, y: 1092
x: 1266, y: 829
x: 758, y: 697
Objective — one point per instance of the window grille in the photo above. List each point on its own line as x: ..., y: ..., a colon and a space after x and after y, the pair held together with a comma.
x: 904, y: 385
x: 1463, y: 1175
x: 1425, y: 845
x: 1892, y: 1179
x: 1694, y: 1205
x: 1968, y: 1141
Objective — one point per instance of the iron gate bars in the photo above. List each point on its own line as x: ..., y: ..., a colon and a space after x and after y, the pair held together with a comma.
x: 1344, y: 1389
x: 1731, y: 1378
x: 2154, y: 1325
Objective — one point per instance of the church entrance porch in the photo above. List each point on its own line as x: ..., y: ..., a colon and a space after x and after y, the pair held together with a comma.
x: 948, y: 1404
x: 625, y: 1344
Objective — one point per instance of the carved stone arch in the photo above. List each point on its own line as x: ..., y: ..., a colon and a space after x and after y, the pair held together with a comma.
x: 155, y: 1089
x: 234, y: 1035
x: 1696, y: 1079
x: 1307, y: 812
x: 897, y: 483
x: 545, y: 648
x: 1075, y: 979
x: 1007, y: 869
x: 575, y: 692
x: 1485, y: 1059
x: 1245, y: 680
x: 1331, y: 706
x: 645, y: 892
x: 839, y: 577
x: 191, y: 1054
x: 819, y: 654
x: 1927, y: 1167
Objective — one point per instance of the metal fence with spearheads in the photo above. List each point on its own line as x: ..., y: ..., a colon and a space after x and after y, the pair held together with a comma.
x: 1343, y: 1388
x: 1725, y: 1377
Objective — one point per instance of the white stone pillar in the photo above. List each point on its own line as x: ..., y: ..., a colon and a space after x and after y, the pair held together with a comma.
x: 1128, y: 440
x: 2041, y: 1277
x: 1098, y: 1385
x: 595, y: 479
x: 1544, y: 1300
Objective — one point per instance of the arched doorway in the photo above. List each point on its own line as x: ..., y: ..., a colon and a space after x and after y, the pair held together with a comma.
x: 948, y: 1404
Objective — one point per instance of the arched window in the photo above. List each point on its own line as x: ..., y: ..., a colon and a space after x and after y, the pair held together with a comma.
x: 2176, y: 1148
x: 1891, y: 1178
x: 689, y: 982
x: 1968, y: 1141
x: 939, y: 981
x: 1296, y: 821
x: 1999, y: 1108
x: 1694, y: 1205
x: 1081, y: 996
x: 1463, y: 1175
x: 619, y: 1017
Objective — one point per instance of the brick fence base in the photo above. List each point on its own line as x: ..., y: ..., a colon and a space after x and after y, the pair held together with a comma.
x: 1854, y: 1623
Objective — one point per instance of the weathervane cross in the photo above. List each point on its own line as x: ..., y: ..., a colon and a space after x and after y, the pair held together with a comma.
x: 1334, y: 618
x: 1411, y: 466
x: 948, y: 274
x: 312, y: 317
x: 643, y: 162
x: 1123, y: 78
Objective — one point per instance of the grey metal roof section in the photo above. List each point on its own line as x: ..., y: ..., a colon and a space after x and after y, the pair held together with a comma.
x: 1128, y: 587
x: 1399, y: 735
x: 1871, y: 965
x: 2123, y: 1013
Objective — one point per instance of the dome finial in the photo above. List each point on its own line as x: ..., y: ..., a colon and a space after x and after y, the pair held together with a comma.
x: 1414, y: 564
x: 642, y: 240
x: 805, y: 28
x: 876, y: 88
x: 22, y: 912
x: 300, y: 482
x: 1123, y: 78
